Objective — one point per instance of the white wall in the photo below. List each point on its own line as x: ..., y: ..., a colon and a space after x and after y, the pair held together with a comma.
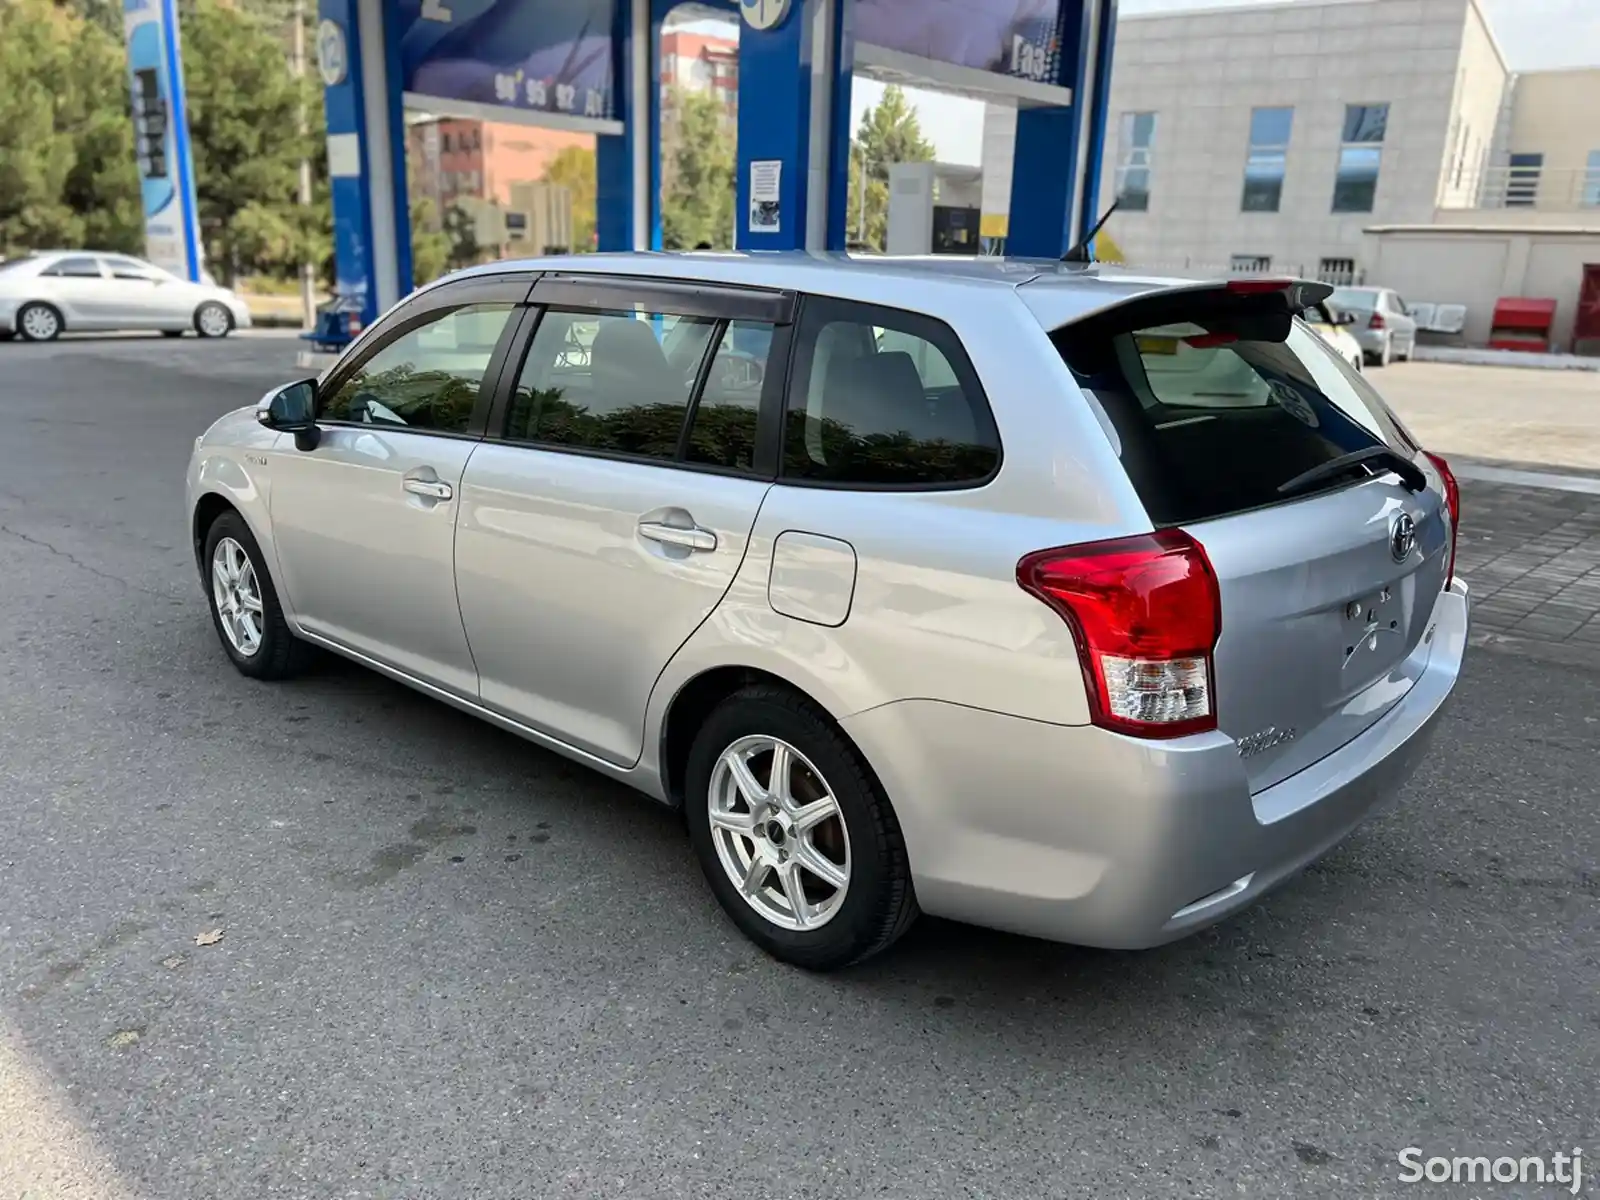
x: 1477, y: 267
x: 1480, y: 93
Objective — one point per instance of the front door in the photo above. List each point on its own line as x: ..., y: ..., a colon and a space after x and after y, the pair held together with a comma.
x: 365, y: 523
x: 611, y: 520
x: 143, y: 297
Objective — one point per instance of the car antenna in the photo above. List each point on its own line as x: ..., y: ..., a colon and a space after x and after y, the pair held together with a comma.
x: 1080, y: 250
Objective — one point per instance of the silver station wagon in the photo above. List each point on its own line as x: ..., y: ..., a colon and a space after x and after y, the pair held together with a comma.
x: 1045, y: 597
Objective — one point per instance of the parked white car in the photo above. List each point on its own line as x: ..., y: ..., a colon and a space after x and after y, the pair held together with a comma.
x: 46, y: 294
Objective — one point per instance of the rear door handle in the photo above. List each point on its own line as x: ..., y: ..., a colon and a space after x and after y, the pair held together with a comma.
x: 674, y: 535
x: 433, y: 489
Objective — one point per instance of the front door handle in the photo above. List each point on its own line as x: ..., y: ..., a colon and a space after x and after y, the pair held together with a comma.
x: 433, y: 489
x: 693, y: 538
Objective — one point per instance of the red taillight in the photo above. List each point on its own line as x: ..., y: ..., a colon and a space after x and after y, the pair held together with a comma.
x: 1452, y: 503
x: 1257, y: 287
x: 1375, y: 321
x: 1146, y: 612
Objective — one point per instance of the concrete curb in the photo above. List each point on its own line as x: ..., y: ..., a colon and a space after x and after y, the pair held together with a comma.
x: 1468, y: 356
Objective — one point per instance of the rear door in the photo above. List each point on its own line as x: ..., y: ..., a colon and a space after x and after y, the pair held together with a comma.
x: 84, y: 294
x: 609, y: 511
x: 1219, y: 400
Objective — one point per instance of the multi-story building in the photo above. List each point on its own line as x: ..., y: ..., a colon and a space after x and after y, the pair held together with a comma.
x: 453, y: 157
x: 698, y: 62
x: 1305, y: 136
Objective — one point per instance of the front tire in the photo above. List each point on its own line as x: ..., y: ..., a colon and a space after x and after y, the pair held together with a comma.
x: 244, y: 604
x: 795, y: 836
x: 39, y: 322
x: 213, y: 320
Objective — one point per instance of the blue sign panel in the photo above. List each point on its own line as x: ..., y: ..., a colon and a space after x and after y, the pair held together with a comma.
x: 540, y: 56
x: 1019, y: 38
x: 161, y: 135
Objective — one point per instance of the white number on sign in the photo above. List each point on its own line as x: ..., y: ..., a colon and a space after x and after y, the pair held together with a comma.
x: 1027, y: 59
x: 436, y: 10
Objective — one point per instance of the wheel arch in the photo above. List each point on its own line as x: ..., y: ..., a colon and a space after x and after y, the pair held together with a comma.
x: 695, y: 699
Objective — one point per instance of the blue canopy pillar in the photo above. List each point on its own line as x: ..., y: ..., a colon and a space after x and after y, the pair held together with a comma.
x: 1058, y: 147
x: 627, y: 164
x: 366, y: 155
x: 793, y: 84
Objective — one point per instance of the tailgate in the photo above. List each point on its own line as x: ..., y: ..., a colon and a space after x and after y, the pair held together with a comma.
x: 1325, y: 525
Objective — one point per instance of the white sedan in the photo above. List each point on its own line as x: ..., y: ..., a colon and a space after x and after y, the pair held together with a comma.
x: 43, y: 295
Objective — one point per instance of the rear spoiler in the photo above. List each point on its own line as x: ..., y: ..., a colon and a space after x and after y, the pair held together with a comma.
x: 1056, y: 307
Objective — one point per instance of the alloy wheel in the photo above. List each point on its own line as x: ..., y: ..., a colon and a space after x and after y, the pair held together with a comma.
x: 213, y: 320
x: 237, y: 595
x: 779, y: 833
x: 40, y: 324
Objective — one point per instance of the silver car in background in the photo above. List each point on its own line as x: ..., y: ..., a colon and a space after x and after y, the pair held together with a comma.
x: 1054, y: 599
x: 1382, y: 324
x: 47, y: 294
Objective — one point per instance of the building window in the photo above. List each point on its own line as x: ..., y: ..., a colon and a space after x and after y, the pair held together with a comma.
x: 1268, y: 157
x: 1341, y: 272
x: 1522, y: 180
x: 1250, y: 264
x: 1360, y: 156
x: 1591, y: 181
x: 444, y: 143
x: 1133, y: 160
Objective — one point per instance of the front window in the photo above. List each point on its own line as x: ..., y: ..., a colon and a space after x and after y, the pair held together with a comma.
x: 428, y: 378
x: 1134, y: 160
x: 1267, y: 159
x: 1355, y: 186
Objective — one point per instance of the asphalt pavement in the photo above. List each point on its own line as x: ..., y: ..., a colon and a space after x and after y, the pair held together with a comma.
x: 444, y: 963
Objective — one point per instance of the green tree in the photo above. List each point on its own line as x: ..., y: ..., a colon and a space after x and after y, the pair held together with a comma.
x: 244, y: 107
x: 573, y: 168
x: 67, y: 173
x: 889, y: 133
x: 698, y: 167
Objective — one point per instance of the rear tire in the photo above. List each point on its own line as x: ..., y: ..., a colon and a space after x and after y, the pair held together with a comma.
x: 39, y: 322
x: 827, y: 834
x: 213, y: 320
x: 244, y: 604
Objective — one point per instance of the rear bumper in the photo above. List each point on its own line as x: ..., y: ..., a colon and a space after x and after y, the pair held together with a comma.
x: 1079, y: 835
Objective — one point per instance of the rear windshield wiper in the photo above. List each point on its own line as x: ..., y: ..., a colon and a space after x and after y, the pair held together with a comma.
x: 1410, y: 474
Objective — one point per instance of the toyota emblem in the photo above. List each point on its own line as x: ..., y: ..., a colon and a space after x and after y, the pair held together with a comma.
x: 1402, y: 537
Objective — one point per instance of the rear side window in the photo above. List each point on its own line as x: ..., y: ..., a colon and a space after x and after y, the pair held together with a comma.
x: 1213, y: 408
x: 884, y: 398
x: 648, y: 385
x: 75, y: 268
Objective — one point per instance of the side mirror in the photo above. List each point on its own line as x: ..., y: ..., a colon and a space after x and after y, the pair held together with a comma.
x: 292, y: 409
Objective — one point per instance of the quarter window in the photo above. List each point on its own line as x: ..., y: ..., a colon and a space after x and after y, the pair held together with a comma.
x: 1360, y: 155
x: 884, y: 398
x: 428, y: 378
x: 723, y: 433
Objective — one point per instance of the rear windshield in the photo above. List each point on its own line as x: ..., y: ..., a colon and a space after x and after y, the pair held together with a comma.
x: 1212, y: 414
x: 1354, y: 298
